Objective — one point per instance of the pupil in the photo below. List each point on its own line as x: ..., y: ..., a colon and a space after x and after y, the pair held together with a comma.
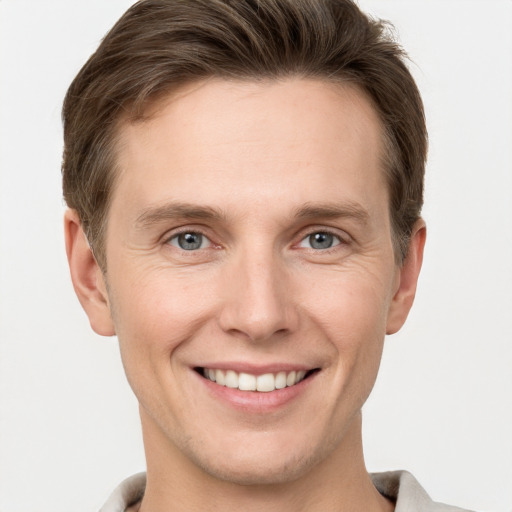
x: 190, y: 241
x: 321, y: 240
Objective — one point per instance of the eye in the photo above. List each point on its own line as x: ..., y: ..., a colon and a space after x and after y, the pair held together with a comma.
x: 189, y: 241
x: 320, y: 240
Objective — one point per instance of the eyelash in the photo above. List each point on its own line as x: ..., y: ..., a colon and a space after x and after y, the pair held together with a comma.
x: 342, y: 240
x: 193, y: 231
x: 322, y: 231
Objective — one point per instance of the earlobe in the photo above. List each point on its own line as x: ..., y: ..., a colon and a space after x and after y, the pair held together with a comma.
x: 407, y: 279
x: 86, y: 275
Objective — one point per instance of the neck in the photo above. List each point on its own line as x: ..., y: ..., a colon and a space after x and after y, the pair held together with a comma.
x: 339, y: 482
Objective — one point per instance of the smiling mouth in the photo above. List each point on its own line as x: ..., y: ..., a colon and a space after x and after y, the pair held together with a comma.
x: 248, y: 382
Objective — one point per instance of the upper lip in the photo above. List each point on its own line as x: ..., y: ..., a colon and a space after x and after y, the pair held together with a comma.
x: 256, y: 369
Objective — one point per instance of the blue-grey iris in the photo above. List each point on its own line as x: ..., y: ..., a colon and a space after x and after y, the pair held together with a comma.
x: 190, y: 241
x: 321, y: 240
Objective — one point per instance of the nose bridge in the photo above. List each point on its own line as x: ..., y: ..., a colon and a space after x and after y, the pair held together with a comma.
x: 257, y: 303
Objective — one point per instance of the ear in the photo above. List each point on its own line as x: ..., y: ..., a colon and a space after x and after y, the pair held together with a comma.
x: 407, y: 279
x: 87, y: 277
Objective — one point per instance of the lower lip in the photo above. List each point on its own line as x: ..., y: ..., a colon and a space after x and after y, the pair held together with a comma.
x: 256, y: 401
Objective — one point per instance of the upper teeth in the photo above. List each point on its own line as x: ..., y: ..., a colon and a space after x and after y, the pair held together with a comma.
x: 248, y: 382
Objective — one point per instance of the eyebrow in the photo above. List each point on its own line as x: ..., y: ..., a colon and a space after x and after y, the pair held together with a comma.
x: 349, y: 210
x: 176, y: 210
x: 187, y: 211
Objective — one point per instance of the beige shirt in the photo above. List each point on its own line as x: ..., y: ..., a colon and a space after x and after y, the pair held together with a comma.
x: 399, y: 486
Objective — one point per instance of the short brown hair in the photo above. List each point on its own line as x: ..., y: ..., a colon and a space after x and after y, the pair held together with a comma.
x: 158, y: 45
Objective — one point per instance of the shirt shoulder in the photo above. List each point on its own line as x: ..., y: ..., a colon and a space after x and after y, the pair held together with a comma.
x: 127, y: 493
x: 399, y: 486
x: 408, y: 494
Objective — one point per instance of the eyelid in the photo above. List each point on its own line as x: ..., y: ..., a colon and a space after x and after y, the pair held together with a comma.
x: 173, y: 233
x: 341, y: 235
x: 306, y: 244
x: 205, y: 241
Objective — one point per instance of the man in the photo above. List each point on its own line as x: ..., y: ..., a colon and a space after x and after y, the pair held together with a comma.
x: 244, y: 182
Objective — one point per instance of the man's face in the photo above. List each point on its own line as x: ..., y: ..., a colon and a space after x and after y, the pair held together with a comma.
x: 249, y: 242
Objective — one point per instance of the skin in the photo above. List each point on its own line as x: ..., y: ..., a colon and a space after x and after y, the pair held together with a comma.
x: 256, y: 168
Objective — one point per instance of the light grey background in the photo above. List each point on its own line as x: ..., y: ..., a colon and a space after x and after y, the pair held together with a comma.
x: 442, y: 406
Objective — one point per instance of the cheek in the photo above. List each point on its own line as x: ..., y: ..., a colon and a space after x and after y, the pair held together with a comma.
x: 352, y: 313
x: 349, y: 304
x: 156, y: 311
x: 154, y: 317
x: 145, y: 311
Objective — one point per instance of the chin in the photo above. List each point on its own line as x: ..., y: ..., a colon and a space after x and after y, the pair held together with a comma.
x: 254, y: 473
x: 260, y: 463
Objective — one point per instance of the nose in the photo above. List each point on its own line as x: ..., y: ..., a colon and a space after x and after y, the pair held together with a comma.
x: 258, y: 298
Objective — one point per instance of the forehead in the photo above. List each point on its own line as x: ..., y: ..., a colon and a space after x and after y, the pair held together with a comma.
x: 311, y: 106
x: 235, y: 136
